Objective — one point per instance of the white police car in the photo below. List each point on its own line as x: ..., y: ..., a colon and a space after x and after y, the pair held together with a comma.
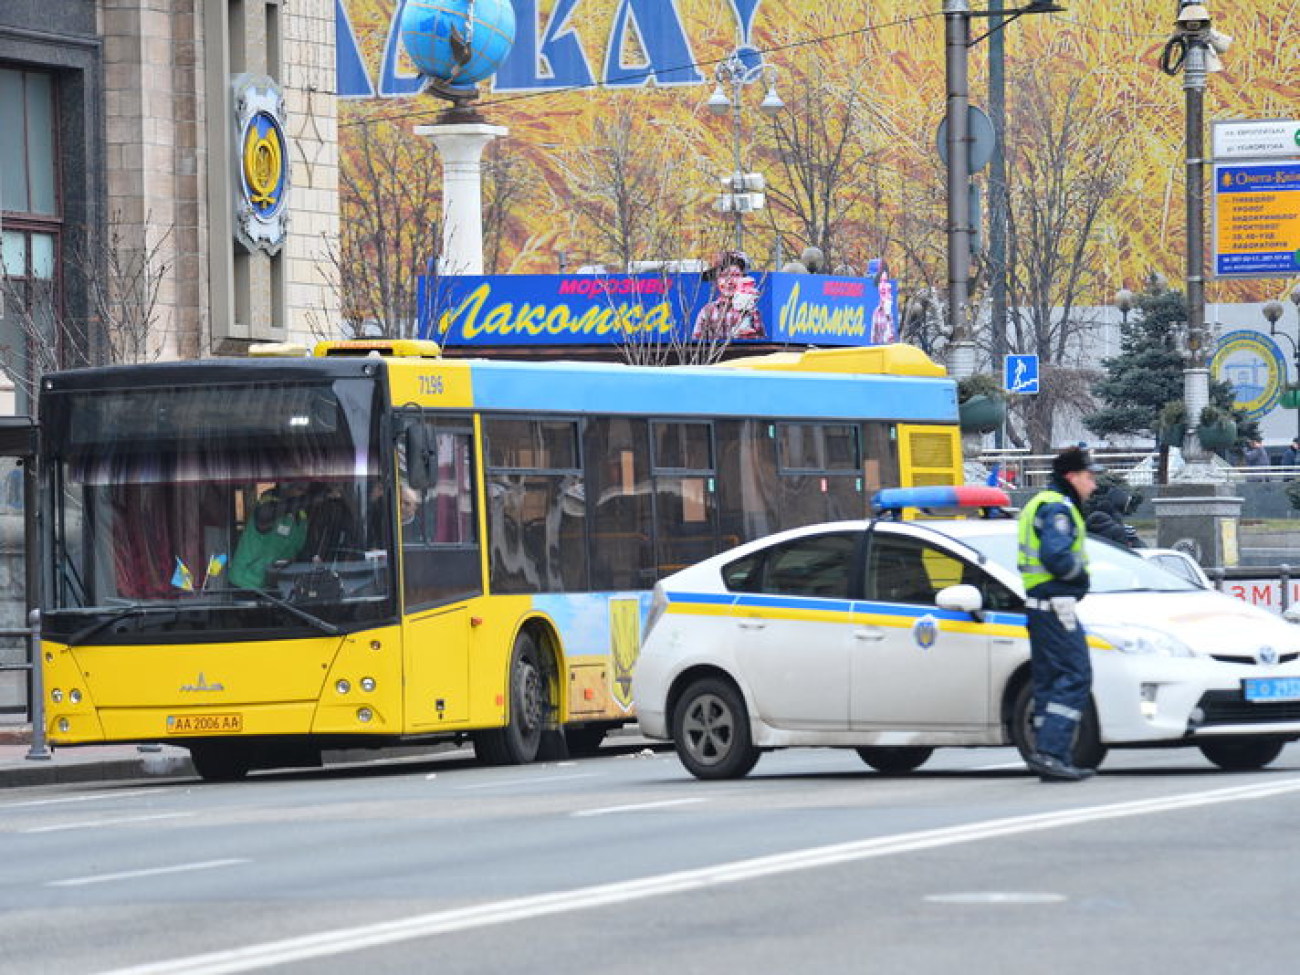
x: 896, y: 637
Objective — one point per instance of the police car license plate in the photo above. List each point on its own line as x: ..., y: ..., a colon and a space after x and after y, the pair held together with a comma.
x: 1264, y: 689
x: 204, y: 724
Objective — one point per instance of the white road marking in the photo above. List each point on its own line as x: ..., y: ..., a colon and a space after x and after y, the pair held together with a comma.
x: 329, y: 943
x: 530, y: 780
x: 93, y: 823
x: 65, y: 799
x: 1000, y: 767
x: 104, y: 878
x: 996, y: 897
x: 638, y: 807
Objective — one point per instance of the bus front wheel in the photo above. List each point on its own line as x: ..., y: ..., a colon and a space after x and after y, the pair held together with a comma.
x: 219, y: 762
x: 528, y: 702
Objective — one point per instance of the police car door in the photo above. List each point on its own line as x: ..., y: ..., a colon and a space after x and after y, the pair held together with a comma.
x: 915, y: 666
x: 792, y: 638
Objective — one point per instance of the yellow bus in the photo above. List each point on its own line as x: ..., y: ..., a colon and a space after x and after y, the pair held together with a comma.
x: 261, y: 558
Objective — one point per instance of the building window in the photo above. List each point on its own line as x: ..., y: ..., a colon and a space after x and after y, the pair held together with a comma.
x: 29, y: 225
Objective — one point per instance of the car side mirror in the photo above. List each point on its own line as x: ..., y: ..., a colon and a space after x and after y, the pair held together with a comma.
x: 960, y: 599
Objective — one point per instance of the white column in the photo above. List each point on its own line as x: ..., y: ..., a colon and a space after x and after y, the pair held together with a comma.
x: 461, y: 148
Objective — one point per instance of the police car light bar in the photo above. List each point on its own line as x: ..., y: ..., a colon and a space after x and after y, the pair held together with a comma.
x: 894, y: 500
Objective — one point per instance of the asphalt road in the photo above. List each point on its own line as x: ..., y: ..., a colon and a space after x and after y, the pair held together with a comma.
x: 624, y: 863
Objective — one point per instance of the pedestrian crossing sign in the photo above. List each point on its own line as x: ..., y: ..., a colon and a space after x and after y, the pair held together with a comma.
x: 1020, y: 374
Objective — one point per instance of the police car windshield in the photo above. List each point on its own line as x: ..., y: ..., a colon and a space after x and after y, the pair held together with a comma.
x: 1110, y: 567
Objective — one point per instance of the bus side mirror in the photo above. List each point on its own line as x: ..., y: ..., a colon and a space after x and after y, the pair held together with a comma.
x: 419, y: 451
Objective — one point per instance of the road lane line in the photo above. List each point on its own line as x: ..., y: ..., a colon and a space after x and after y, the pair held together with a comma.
x: 87, y: 798
x: 341, y: 941
x: 104, y: 878
x: 531, y: 780
x: 638, y: 807
x: 120, y: 821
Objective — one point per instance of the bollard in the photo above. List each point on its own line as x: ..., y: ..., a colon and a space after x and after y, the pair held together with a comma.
x: 37, y: 751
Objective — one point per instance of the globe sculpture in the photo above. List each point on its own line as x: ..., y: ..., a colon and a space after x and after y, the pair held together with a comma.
x: 457, y: 43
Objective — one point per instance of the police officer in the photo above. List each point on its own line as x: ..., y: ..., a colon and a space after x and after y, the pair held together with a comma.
x: 1054, y: 567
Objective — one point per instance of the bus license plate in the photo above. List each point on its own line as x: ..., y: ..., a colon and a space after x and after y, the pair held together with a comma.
x: 204, y: 724
x: 1272, y: 688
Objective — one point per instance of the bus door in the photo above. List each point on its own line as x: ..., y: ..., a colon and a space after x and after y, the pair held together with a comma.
x: 441, y: 563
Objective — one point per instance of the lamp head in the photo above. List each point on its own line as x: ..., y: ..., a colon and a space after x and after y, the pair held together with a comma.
x: 719, y: 103
x: 1272, y: 311
x: 1192, y: 18
x: 1124, y: 300
x: 771, y: 105
x: 1295, y: 296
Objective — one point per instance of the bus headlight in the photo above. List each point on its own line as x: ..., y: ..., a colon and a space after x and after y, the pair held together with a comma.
x: 56, y: 696
x: 367, y: 684
x: 342, y: 686
x: 364, y: 715
x: 64, y: 724
x: 74, y: 696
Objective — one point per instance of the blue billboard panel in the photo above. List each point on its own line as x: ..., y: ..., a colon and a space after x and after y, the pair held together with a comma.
x: 587, y: 309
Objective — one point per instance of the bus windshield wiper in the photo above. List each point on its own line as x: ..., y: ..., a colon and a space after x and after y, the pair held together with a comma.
x: 329, y: 629
x: 137, y: 609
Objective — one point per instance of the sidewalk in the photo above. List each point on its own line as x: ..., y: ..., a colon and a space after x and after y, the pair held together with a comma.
x: 95, y: 763
x: 104, y: 763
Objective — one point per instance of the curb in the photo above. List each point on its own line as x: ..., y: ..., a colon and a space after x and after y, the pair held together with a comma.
x: 42, y: 772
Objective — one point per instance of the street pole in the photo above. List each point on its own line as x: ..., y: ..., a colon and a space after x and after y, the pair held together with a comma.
x: 740, y: 166
x: 961, y: 361
x: 998, y: 191
x: 1196, y: 377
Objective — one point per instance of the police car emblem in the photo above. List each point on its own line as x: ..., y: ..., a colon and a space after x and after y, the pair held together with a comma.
x: 1268, y: 655
x: 925, y: 631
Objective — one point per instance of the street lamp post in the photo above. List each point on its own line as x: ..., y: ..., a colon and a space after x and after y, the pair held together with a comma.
x: 1191, y: 50
x: 743, y: 191
x: 957, y: 45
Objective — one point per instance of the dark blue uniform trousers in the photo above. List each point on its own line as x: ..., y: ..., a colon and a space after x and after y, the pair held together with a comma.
x: 1062, y: 673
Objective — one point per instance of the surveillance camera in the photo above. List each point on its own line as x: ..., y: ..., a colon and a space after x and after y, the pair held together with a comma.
x: 1193, y: 17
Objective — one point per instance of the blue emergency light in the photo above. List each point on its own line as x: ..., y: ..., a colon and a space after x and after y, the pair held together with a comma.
x: 892, y: 501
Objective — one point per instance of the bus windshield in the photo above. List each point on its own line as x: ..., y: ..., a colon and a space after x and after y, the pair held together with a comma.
x: 217, y: 508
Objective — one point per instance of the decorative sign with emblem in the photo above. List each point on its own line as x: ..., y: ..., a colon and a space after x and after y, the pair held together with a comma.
x: 1253, y: 364
x: 261, y: 220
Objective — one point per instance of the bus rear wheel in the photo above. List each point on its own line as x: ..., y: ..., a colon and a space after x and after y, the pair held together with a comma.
x: 528, y: 704
x: 220, y: 761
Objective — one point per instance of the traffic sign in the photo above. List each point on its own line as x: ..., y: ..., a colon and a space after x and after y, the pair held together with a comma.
x: 1257, y: 220
x: 983, y: 138
x: 1020, y: 374
x: 1267, y: 139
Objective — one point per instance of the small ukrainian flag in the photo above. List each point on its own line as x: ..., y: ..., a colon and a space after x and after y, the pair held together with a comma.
x: 216, y: 565
x: 183, y: 578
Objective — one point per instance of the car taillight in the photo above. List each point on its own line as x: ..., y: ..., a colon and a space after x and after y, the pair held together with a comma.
x: 658, y: 603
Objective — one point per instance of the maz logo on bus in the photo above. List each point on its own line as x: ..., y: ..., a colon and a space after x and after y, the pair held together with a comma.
x: 431, y: 384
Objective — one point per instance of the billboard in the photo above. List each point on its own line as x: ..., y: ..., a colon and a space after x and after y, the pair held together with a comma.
x: 583, y: 309
x: 579, y: 65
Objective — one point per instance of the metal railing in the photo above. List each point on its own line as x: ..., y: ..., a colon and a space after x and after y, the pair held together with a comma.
x: 35, y: 682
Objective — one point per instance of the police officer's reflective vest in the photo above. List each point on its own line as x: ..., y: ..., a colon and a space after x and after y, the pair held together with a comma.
x: 1030, y: 561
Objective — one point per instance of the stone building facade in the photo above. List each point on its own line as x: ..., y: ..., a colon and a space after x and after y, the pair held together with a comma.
x: 139, y: 101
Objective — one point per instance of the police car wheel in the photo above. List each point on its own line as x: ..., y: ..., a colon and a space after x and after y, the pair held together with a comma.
x: 1089, y: 752
x: 897, y: 760
x: 1242, y: 756
x: 711, y: 731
